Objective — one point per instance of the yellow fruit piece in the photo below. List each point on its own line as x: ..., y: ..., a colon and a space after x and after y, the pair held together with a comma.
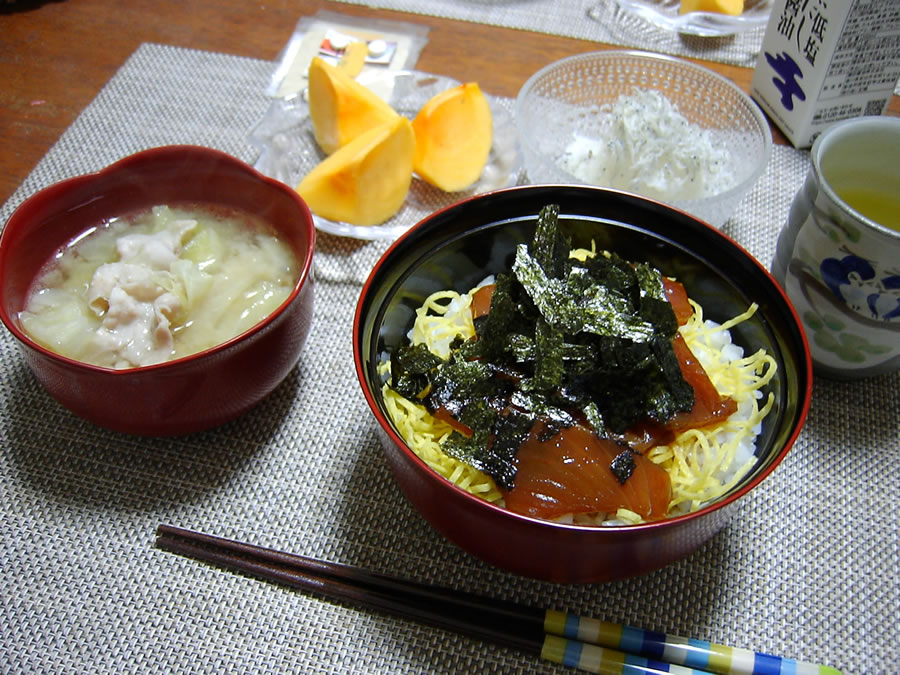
x: 340, y: 107
x: 732, y: 7
x: 454, y: 132
x: 366, y: 181
x: 354, y: 58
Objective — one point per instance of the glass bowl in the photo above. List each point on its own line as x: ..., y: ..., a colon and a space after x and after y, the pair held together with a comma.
x: 665, y: 14
x: 569, y: 99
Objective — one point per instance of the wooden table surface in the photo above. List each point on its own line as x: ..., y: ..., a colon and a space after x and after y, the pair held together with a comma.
x: 56, y: 55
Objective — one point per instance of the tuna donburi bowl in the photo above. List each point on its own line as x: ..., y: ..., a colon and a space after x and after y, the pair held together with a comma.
x: 577, y: 384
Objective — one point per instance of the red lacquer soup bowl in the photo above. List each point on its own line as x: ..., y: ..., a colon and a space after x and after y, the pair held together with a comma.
x: 187, y: 394
x: 458, y: 247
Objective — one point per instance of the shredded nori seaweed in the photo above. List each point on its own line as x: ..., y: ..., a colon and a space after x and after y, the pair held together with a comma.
x: 494, y: 442
x: 622, y: 466
x: 564, y: 342
x: 411, y: 369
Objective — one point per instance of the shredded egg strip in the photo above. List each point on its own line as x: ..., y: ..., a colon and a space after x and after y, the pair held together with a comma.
x: 424, y: 435
x: 442, y: 317
x: 704, y: 464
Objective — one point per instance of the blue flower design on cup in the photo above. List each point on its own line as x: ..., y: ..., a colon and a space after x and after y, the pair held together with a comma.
x: 854, y: 281
x: 838, y: 255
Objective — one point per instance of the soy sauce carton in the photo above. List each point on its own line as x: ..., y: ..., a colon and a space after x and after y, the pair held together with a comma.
x: 826, y: 60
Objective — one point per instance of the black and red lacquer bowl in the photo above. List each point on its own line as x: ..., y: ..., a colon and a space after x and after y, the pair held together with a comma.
x: 460, y: 245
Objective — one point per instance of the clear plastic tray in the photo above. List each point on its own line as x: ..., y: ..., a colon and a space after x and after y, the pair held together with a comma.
x: 288, y: 150
x: 664, y: 14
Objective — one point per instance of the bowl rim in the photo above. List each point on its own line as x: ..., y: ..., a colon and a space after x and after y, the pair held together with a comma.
x: 476, y: 502
x: 613, y: 54
x: 124, y: 163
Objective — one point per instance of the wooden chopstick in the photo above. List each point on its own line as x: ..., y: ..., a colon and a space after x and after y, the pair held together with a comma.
x: 505, y: 623
x: 349, y: 584
x: 584, y: 643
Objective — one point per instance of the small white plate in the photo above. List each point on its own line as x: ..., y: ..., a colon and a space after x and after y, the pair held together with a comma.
x: 664, y: 14
x: 288, y: 150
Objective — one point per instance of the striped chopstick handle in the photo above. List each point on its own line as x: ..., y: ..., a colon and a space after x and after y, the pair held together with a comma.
x: 699, y: 654
x: 596, y: 659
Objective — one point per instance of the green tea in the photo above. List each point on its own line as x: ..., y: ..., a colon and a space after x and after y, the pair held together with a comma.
x: 875, y: 204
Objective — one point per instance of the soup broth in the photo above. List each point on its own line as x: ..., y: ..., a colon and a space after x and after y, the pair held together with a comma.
x: 159, y: 285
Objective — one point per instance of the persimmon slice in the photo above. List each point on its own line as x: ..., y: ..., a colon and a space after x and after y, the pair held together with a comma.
x: 454, y: 133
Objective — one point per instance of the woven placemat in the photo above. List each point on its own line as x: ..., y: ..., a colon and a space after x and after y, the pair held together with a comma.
x: 806, y: 569
x: 596, y: 20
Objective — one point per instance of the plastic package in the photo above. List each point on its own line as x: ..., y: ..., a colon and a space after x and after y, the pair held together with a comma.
x: 391, y: 45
